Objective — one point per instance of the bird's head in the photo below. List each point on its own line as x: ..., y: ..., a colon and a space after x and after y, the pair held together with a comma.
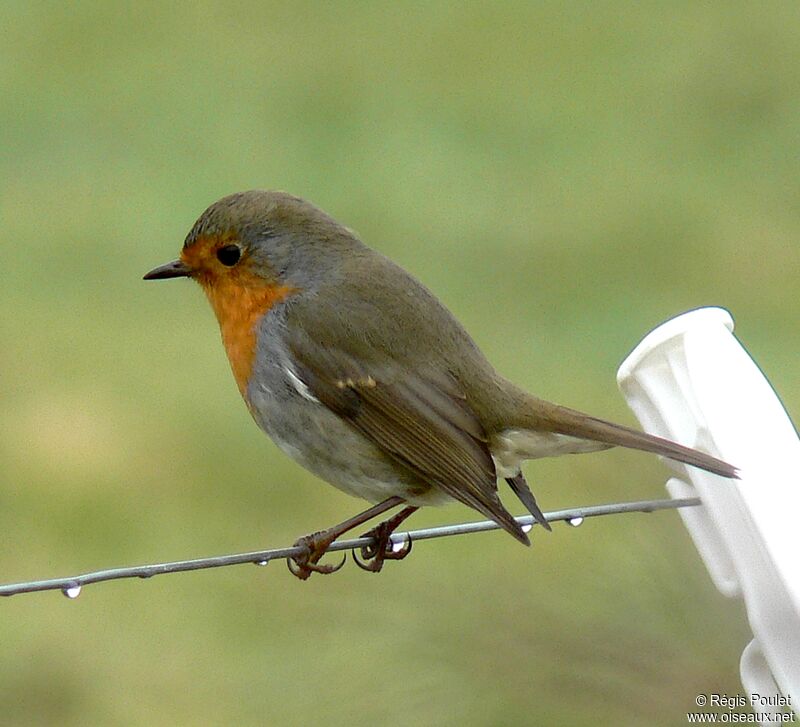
x: 252, y: 250
x: 259, y: 238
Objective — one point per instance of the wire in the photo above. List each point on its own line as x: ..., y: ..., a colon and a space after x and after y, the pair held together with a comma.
x: 71, y: 586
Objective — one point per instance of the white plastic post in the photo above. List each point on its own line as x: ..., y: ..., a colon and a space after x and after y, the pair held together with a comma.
x: 691, y: 381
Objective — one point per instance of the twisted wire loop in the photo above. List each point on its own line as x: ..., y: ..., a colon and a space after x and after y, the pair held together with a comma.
x: 71, y: 586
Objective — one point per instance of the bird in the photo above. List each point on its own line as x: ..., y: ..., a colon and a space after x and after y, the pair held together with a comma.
x: 361, y: 375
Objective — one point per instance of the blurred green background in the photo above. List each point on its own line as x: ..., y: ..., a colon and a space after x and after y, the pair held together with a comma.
x: 564, y: 176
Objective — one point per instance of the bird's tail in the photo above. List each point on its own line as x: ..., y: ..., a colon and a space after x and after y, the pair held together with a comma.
x: 564, y: 421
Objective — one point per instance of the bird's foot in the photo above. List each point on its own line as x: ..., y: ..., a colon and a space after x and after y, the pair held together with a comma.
x: 314, y: 547
x: 382, y: 548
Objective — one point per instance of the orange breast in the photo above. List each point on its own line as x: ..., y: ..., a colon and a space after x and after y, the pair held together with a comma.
x: 239, y: 302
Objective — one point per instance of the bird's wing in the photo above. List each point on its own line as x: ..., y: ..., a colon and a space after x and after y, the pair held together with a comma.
x: 418, y: 417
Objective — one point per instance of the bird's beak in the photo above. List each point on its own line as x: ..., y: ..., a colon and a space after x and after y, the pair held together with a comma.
x: 175, y: 269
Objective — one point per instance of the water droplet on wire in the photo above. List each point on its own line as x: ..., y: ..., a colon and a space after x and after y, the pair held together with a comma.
x: 398, y: 545
x: 72, y: 591
x: 261, y: 562
x: 527, y: 528
x: 575, y: 522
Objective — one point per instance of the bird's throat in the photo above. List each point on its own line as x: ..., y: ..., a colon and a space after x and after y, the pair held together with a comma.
x: 239, y: 308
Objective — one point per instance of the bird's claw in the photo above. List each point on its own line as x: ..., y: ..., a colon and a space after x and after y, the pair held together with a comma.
x: 303, y: 569
x: 307, y: 562
x: 380, y: 549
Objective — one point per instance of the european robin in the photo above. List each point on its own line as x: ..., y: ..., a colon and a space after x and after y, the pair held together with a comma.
x: 360, y: 374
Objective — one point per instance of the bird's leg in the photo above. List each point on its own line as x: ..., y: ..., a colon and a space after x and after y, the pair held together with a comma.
x: 316, y: 544
x: 381, y: 548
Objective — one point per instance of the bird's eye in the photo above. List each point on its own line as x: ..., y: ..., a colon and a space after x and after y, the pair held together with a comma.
x: 229, y: 255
